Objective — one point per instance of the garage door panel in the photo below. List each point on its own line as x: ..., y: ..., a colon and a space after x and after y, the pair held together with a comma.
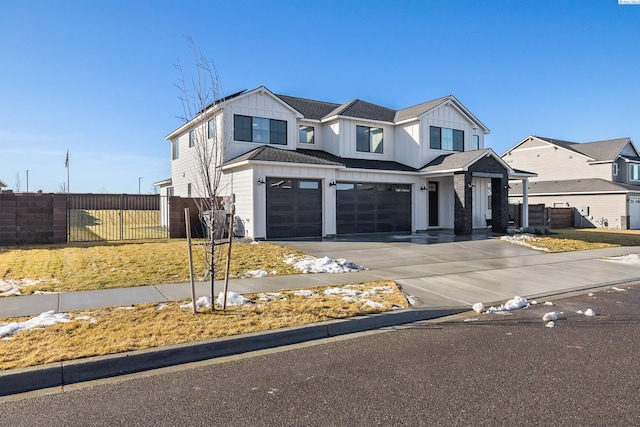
x: 294, y: 208
x: 378, y: 208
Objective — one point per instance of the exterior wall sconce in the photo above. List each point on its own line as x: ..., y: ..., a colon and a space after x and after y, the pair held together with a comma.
x: 332, y: 184
x: 260, y: 181
x: 423, y: 188
x: 470, y: 185
x: 507, y: 187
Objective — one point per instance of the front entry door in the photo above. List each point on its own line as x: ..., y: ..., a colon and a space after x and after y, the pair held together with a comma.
x: 434, y: 221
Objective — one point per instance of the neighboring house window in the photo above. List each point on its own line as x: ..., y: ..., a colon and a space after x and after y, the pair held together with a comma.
x: 475, y: 142
x: 258, y: 129
x: 307, y: 134
x: 368, y: 139
x: 174, y: 149
x: 634, y: 172
x: 169, y: 191
x: 615, y: 169
x: 211, y: 128
x: 446, y: 139
x: 189, y: 190
x: 192, y: 139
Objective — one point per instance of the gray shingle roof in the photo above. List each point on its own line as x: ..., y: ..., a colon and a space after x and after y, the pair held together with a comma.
x: 572, y: 186
x: 365, y: 110
x: 417, y: 110
x: 359, y: 163
x: 597, y: 150
x: 309, y: 108
x: 267, y: 153
x: 454, y: 161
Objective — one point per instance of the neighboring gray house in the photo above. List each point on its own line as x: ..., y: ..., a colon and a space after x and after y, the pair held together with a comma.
x: 302, y: 167
x: 600, y: 179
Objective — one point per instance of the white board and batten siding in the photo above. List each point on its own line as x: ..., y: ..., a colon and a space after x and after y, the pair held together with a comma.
x: 243, y: 184
x: 407, y: 145
x: 264, y: 106
x: 447, y: 116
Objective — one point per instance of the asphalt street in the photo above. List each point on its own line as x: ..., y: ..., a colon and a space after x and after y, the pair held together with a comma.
x: 470, y: 369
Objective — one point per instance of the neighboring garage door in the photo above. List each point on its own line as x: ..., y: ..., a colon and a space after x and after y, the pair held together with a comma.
x: 372, y: 208
x: 634, y: 214
x: 294, y: 208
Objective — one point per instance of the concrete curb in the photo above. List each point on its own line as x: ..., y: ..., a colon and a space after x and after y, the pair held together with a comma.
x: 94, y: 368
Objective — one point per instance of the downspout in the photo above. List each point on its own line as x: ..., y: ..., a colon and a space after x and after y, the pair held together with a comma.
x: 525, y: 202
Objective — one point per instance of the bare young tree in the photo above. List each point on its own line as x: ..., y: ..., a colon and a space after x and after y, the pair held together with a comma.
x: 199, y: 96
x: 18, y: 182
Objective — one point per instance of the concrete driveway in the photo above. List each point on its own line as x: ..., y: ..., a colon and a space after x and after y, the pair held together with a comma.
x: 443, y: 271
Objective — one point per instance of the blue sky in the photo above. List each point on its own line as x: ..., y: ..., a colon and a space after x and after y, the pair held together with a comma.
x: 97, y: 78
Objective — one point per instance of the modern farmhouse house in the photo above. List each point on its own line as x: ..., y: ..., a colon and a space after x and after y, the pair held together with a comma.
x: 300, y: 167
x: 600, y: 179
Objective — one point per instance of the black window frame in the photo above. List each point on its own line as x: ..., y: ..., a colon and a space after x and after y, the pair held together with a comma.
x: 305, y: 129
x: 243, y: 130
x: 435, y: 139
x: 364, y: 139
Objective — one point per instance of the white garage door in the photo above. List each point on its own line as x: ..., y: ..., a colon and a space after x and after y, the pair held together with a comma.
x: 634, y: 214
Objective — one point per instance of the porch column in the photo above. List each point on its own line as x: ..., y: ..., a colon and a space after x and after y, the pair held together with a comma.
x: 463, y: 201
x: 525, y: 202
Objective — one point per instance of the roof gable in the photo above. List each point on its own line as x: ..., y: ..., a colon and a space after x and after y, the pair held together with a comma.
x: 461, y: 161
x: 599, y: 151
x: 309, y: 108
x: 359, y: 109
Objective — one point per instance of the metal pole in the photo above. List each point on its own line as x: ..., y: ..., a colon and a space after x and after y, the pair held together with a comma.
x: 187, y: 221
x: 139, y: 179
x: 27, y: 180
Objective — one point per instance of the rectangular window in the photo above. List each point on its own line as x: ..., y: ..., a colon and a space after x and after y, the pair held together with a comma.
x: 475, y: 142
x: 211, y: 128
x: 446, y: 139
x: 189, y: 190
x: 307, y: 134
x: 368, y: 139
x: 175, y: 144
x: 634, y: 172
x: 258, y: 129
x: 192, y: 139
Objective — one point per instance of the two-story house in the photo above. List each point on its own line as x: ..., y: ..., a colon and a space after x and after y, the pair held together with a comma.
x: 301, y: 167
x: 600, y: 179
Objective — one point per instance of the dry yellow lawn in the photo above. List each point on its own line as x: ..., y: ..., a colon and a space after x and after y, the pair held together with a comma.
x: 573, y: 239
x: 116, y: 330
x: 88, y: 266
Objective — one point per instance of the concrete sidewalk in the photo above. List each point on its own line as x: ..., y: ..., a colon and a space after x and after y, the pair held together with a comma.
x: 446, y: 278
x: 448, y: 275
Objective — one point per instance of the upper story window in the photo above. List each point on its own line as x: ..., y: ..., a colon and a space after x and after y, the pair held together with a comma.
x: 211, y: 128
x: 175, y: 145
x: 615, y: 169
x: 634, y: 172
x: 475, y: 142
x: 192, y: 139
x: 307, y: 134
x: 369, y: 139
x: 258, y: 129
x: 446, y: 139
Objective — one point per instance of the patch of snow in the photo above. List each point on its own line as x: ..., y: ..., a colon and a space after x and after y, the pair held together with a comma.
x: 629, y: 258
x: 44, y: 319
x: 412, y: 300
x: 233, y: 298
x: 591, y: 294
x: 303, y: 293
x: 514, y: 303
x: 523, y: 240
x: 255, y: 242
x: 342, y: 291
x: 161, y: 306
x: 256, y: 273
x: 472, y: 319
x: 618, y: 289
x: 89, y: 318
x: 550, y: 324
x: 534, y: 302
x: 589, y: 312
x: 202, y: 302
x: 552, y: 315
x: 322, y: 265
x: 548, y: 303
x: 372, y: 304
x: 478, y: 307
